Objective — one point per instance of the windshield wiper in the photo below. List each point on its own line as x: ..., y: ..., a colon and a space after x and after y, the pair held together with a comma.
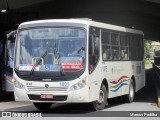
x: 39, y: 61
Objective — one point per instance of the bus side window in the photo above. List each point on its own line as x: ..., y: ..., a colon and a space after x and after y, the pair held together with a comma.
x: 124, y: 53
x: 105, y: 39
x: 106, y: 53
x: 115, y: 53
x: 115, y: 41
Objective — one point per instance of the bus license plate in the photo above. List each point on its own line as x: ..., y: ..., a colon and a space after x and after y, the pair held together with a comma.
x: 47, y: 96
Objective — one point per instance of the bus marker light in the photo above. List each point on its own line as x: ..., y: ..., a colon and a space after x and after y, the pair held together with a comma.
x: 83, y: 81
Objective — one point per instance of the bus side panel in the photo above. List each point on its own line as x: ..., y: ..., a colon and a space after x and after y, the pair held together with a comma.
x: 118, y: 76
x: 139, y: 74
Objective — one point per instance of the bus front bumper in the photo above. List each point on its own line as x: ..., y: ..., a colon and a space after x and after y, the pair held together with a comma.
x: 77, y: 96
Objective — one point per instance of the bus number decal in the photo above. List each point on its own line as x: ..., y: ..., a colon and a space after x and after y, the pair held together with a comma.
x: 104, y: 69
x: 64, y: 84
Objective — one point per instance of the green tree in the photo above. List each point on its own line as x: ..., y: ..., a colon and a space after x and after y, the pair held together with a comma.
x: 147, y: 48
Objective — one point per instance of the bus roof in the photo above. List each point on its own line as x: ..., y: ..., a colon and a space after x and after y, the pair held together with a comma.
x: 84, y: 21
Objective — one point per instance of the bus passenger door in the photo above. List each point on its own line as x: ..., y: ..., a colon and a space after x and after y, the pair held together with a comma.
x: 94, y: 64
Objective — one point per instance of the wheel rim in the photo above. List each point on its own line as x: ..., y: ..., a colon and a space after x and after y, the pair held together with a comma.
x: 131, y: 91
x: 101, y: 97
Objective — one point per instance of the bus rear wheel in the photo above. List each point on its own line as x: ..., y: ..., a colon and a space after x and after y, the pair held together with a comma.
x: 130, y: 96
x: 42, y: 106
x: 101, y: 103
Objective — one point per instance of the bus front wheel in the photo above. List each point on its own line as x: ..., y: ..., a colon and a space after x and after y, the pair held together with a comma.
x: 42, y: 106
x: 101, y: 103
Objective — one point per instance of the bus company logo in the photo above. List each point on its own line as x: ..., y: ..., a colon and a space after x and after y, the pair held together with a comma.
x: 116, y: 85
x: 117, y: 70
x: 6, y: 114
x: 46, y: 86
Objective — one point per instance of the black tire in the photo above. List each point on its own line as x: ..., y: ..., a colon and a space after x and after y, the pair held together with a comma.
x: 102, y: 102
x: 42, y: 106
x: 130, y: 96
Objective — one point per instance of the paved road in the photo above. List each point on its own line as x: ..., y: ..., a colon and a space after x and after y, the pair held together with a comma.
x: 145, y: 100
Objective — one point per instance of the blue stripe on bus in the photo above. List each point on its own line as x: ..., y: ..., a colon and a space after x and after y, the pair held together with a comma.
x: 119, y: 87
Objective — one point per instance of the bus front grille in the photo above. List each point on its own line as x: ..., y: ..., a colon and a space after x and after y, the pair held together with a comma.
x: 35, y: 88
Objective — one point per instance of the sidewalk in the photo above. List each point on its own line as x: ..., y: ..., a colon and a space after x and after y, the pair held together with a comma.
x: 148, y: 66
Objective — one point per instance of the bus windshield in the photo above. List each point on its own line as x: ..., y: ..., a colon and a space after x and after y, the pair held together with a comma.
x: 51, y: 50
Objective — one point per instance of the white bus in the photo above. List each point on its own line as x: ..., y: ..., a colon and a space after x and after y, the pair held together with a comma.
x: 7, y: 60
x: 77, y: 61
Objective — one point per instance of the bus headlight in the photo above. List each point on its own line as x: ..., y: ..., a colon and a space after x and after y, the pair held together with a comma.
x: 81, y: 84
x: 19, y: 85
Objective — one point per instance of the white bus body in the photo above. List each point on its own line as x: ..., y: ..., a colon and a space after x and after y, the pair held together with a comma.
x: 113, y: 58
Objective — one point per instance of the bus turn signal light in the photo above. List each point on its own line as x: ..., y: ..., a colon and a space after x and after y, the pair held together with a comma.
x: 13, y: 80
x: 159, y: 102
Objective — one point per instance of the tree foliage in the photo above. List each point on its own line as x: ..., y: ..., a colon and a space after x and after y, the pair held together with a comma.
x: 147, y: 48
